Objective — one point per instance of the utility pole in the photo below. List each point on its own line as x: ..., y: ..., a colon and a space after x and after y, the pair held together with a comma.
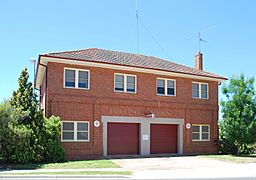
x: 33, y: 60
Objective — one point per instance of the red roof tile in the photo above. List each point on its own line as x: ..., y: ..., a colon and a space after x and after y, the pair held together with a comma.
x: 129, y: 59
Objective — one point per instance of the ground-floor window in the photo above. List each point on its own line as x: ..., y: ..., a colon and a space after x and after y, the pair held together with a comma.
x: 200, y: 132
x: 75, y: 131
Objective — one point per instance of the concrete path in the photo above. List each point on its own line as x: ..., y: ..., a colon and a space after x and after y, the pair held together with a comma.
x: 185, y: 167
x: 61, y: 170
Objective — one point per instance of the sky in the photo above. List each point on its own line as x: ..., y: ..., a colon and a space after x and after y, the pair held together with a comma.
x: 170, y: 29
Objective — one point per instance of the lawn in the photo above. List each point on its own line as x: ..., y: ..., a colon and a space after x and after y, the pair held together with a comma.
x: 232, y: 158
x: 65, y: 165
x: 73, y: 173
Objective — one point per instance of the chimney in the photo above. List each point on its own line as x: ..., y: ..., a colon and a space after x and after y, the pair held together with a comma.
x: 199, y: 61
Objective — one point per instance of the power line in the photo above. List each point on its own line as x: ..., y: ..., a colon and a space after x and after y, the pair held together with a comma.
x: 154, y: 39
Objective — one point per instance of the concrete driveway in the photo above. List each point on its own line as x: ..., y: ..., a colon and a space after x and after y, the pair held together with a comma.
x: 185, y: 167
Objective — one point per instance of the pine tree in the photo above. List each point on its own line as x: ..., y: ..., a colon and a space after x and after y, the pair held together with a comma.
x: 26, y: 100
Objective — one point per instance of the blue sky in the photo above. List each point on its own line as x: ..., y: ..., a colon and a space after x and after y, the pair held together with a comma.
x: 29, y: 28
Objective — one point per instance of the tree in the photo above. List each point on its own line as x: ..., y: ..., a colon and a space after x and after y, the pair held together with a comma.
x: 25, y: 135
x: 25, y: 99
x: 238, y: 127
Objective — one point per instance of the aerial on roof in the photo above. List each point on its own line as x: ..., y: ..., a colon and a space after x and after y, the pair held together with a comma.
x: 129, y: 59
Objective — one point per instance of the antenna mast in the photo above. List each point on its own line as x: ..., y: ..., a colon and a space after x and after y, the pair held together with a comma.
x: 200, y: 39
x: 137, y: 18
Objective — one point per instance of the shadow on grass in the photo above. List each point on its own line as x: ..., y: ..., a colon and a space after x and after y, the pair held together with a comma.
x: 246, y: 155
x: 27, y: 166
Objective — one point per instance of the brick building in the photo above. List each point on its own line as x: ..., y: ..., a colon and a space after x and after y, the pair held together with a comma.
x: 115, y: 103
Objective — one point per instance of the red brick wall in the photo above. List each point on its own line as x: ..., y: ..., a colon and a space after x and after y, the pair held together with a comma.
x: 100, y: 99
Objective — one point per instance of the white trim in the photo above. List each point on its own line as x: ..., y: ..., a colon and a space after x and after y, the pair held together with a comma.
x: 76, y: 78
x: 165, y: 87
x: 125, y: 83
x: 45, y: 60
x: 201, y: 132
x: 75, y: 131
x: 200, y: 90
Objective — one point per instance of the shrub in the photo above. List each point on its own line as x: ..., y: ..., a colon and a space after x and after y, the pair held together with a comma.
x: 54, y: 152
x: 20, y: 143
x: 14, y: 138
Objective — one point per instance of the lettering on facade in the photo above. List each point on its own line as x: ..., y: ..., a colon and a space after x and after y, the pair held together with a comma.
x: 136, y: 112
x: 125, y: 111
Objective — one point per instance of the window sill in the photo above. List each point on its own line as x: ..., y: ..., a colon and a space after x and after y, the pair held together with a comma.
x: 74, y: 141
x: 163, y: 95
x: 125, y: 92
x: 201, y: 140
x: 200, y: 98
x: 76, y: 88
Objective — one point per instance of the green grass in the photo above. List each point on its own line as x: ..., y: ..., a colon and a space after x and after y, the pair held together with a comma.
x: 73, y: 173
x: 232, y: 158
x: 65, y: 165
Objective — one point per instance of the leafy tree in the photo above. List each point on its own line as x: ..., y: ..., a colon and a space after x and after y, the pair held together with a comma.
x: 238, y: 128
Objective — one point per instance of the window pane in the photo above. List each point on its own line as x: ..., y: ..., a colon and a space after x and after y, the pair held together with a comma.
x: 130, y: 87
x: 119, y: 86
x: 160, y: 90
x: 195, y: 129
x: 160, y: 83
x: 119, y: 78
x: 68, y: 135
x: 195, y: 136
x: 131, y: 79
x: 205, y: 136
x: 83, y: 79
x: 69, y: 78
x: 204, y: 94
x: 119, y: 82
x: 205, y: 128
x: 82, y: 135
x: 170, y: 91
x: 195, y: 94
x: 68, y: 126
x: 195, y: 86
x: 170, y: 84
x: 82, y: 126
x: 204, y: 87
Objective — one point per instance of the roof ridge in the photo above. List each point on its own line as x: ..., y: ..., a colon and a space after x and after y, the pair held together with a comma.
x: 98, y: 55
x: 69, y: 51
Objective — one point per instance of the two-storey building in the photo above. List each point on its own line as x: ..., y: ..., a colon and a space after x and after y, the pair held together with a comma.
x: 116, y: 103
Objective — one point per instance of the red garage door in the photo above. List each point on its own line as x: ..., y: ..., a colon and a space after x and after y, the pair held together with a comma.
x: 163, y: 138
x: 123, y: 138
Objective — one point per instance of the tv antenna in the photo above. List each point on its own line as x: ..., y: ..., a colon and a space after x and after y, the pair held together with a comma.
x: 137, y: 24
x: 202, y: 40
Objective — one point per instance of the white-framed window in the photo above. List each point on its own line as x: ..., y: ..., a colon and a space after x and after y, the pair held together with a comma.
x: 165, y: 87
x: 200, y: 132
x: 76, y: 78
x: 200, y: 90
x: 125, y: 83
x: 75, y: 131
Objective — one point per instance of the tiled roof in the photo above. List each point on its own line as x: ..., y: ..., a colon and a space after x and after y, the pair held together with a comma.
x: 129, y: 59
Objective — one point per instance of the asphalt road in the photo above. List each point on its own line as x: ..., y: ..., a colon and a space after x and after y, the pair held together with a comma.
x: 106, y: 178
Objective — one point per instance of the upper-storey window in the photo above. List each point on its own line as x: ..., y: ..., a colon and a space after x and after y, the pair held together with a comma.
x: 125, y: 83
x: 76, y: 78
x: 166, y: 87
x: 200, y: 90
